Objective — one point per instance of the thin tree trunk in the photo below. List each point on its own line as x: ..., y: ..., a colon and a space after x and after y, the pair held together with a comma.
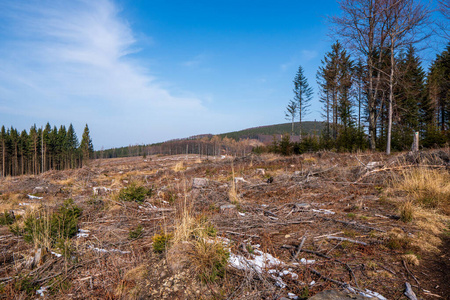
x: 391, y: 98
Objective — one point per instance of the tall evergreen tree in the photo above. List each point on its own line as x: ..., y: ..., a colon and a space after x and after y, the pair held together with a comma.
x: 72, y: 144
x: 87, y: 149
x: 302, y: 95
x: 409, y: 95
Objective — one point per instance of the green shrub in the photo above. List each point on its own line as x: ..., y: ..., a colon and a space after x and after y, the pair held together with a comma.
x: 134, y: 192
x: 209, y: 259
x: 6, y: 218
x: 160, y: 242
x: 25, y: 284
x: 46, y: 229
x: 136, y: 233
x: 397, y: 243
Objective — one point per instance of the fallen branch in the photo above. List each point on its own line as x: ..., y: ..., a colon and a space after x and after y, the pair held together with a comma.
x: 300, y: 246
x: 354, y: 224
x: 409, y: 272
x: 409, y: 293
x: 346, y: 239
x: 325, y: 235
x: 243, y: 234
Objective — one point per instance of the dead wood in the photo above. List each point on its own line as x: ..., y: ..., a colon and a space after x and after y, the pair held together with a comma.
x: 409, y: 292
x: 353, y: 224
x: 299, y: 249
x: 409, y: 272
x: 243, y: 234
x: 346, y: 239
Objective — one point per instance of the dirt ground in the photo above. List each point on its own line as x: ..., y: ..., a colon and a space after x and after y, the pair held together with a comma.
x: 343, y: 209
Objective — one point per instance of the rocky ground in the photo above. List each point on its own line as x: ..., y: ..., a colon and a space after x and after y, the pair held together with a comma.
x: 291, y: 226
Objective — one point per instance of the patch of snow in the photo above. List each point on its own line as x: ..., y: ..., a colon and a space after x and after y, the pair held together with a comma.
x: 35, y: 197
x: 241, y: 214
x: 82, y: 233
x: 264, y: 205
x: 24, y: 204
x: 312, y: 283
x: 307, y: 261
x: 41, y: 291
x: 260, y: 262
x: 292, y: 296
x: 56, y: 254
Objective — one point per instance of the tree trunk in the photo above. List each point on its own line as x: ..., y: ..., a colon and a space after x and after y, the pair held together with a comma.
x: 391, y: 99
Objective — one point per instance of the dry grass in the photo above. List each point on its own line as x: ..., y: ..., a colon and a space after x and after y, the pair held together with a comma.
x: 412, y: 259
x: 179, y: 166
x: 429, y: 188
x: 406, y: 211
x: 232, y: 193
x: 136, y: 274
x: 208, y: 258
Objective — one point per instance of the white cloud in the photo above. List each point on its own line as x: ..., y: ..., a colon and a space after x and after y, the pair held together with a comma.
x: 74, y: 60
x: 308, y: 55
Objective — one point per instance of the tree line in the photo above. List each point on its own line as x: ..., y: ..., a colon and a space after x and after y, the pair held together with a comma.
x: 208, y: 145
x: 374, y: 92
x: 43, y: 149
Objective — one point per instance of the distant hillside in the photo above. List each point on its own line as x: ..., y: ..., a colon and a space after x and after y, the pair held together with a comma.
x: 308, y: 127
x: 204, y: 145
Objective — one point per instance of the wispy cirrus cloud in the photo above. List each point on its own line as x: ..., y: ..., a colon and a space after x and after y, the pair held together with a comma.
x: 303, y: 56
x: 74, y: 60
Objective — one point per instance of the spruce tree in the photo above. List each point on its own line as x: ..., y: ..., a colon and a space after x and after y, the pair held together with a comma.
x: 87, y: 149
x: 302, y: 95
x: 72, y: 144
x: 409, y: 95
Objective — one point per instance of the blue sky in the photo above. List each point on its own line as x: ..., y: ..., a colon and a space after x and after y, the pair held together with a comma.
x: 140, y: 71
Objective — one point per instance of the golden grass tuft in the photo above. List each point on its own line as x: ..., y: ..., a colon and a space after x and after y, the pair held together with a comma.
x: 429, y: 188
x: 67, y: 182
x: 208, y: 258
x: 136, y: 274
x: 194, y: 245
x: 427, y: 242
x: 411, y: 259
x: 406, y: 212
x: 179, y: 166
x: 232, y: 193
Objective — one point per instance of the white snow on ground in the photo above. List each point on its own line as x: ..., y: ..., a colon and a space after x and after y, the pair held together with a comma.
x: 82, y: 233
x: 260, y: 262
x: 56, y: 254
x: 41, y: 291
x: 35, y: 197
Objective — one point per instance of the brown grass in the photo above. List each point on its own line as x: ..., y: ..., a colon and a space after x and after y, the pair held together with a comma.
x: 427, y: 187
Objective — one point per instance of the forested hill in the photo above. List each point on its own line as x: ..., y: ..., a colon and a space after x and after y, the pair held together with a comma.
x: 209, y: 144
x: 308, y: 127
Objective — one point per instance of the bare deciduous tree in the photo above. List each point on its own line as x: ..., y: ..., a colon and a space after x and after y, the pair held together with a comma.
x: 404, y: 20
x: 363, y: 29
